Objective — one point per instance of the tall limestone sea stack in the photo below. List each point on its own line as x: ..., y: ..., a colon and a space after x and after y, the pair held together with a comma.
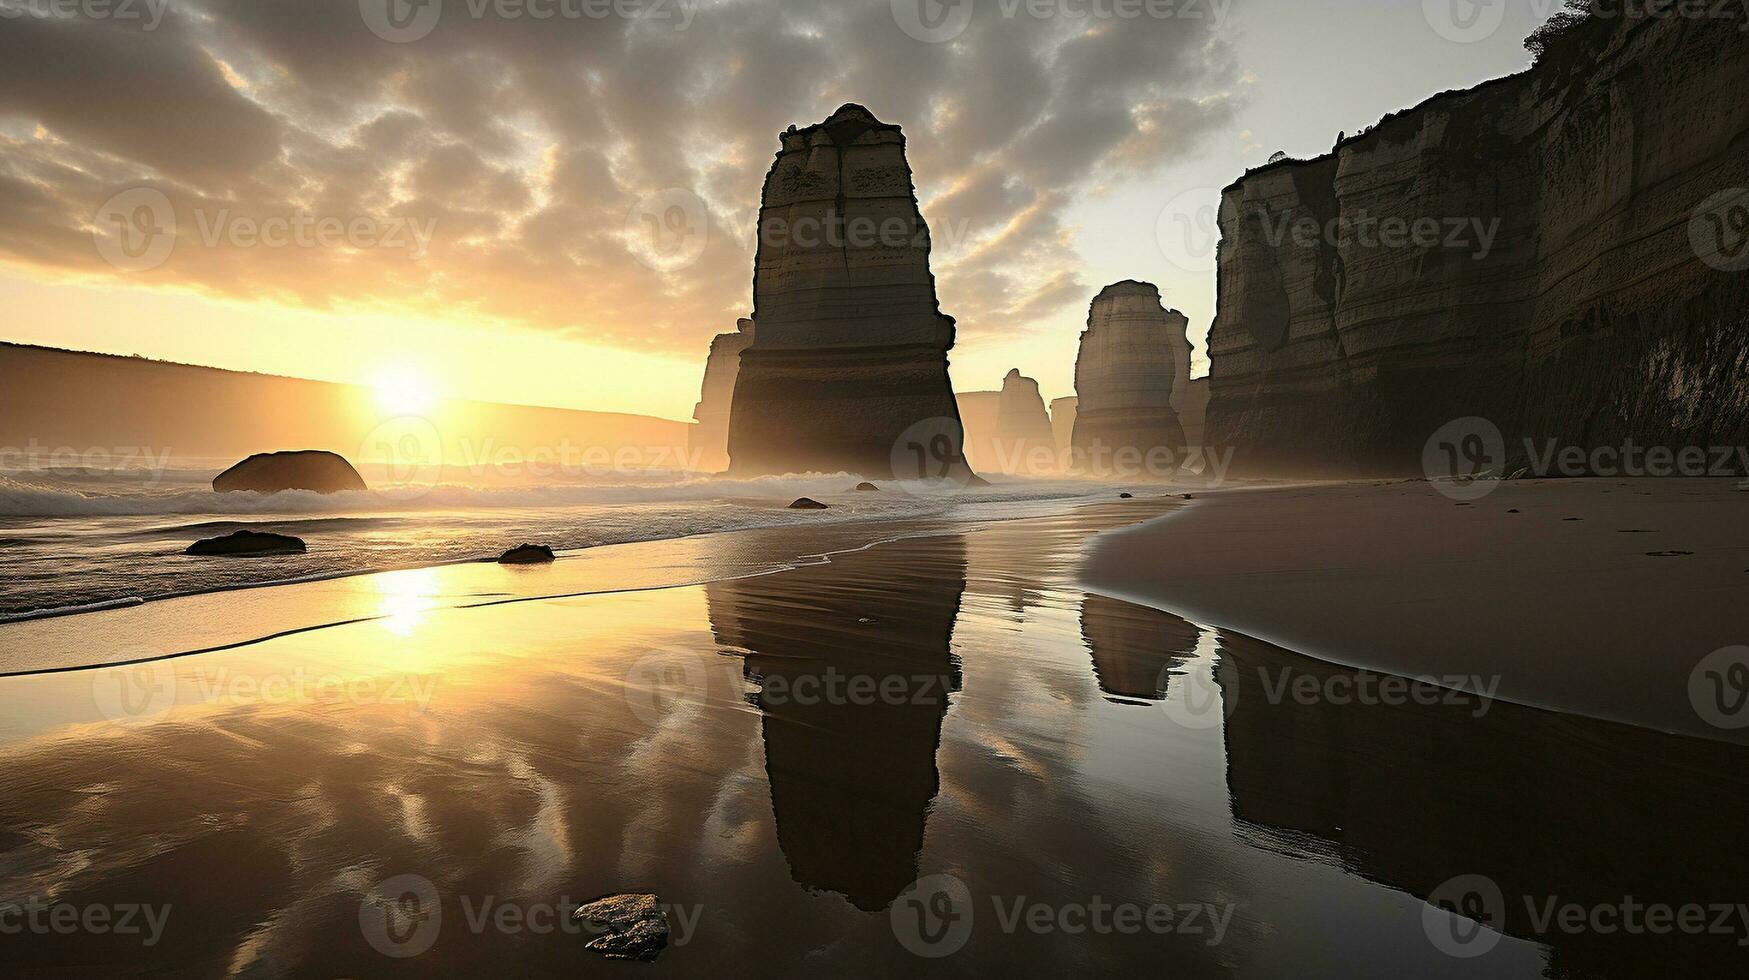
x: 1124, y: 419
x: 1561, y: 253
x: 709, y: 440
x: 849, y: 361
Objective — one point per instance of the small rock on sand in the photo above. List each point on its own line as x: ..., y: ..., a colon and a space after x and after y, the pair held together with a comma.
x: 625, y: 927
x: 527, y: 554
x: 1126, y: 496
x: 807, y: 503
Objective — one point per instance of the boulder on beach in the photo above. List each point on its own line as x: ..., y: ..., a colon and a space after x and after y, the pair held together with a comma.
x: 247, y: 544
x: 304, y: 469
x: 527, y: 554
x: 806, y: 503
x: 625, y: 927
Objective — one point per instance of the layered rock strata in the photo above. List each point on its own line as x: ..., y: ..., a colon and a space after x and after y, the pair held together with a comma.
x: 1124, y: 419
x: 709, y: 439
x: 849, y: 362
x: 1560, y: 252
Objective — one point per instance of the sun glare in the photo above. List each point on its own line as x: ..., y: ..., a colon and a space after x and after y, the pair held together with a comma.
x: 402, y: 390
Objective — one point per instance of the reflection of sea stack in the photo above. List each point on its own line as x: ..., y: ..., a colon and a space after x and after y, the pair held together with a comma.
x: 1533, y: 800
x: 851, y: 346
x: 305, y: 469
x: 709, y: 440
x: 1124, y: 373
x: 1134, y: 646
x: 1023, y: 430
x: 852, y: 769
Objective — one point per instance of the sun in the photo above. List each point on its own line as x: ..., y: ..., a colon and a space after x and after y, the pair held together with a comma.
x: 404, y: 390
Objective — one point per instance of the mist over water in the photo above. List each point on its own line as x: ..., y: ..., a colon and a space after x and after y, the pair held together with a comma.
x: 76, y: 537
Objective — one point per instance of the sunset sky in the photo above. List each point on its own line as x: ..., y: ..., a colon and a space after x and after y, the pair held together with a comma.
x: 536, y: 152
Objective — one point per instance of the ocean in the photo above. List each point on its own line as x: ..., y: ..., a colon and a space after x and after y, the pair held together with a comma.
x: 76, y: 539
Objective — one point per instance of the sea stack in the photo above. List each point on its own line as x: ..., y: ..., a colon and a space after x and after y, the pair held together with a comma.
x: 1023, y: 430
x: 709, y: 440
x: 1063, y: 422
x: 1124, y: 419
x: 849, y: 361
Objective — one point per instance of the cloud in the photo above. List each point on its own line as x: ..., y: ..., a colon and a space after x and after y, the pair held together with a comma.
x: 531, y: 142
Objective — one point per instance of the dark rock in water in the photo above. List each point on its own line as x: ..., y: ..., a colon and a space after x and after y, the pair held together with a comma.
x: 526, y: 554
x: 625, y: 927
x: 1126, y: 496
x: 848, y: 364
x: 247, y: 544
x: 866, y: 487
x: 806, y: 503
x: 305, y: 469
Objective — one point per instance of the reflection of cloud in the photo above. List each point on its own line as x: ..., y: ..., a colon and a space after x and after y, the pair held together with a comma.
x: 528, y: 143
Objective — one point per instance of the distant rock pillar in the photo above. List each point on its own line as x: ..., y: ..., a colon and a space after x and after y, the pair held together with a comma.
x: 1124, y: 420
x: 1025, y: 443
x: 709, y: 440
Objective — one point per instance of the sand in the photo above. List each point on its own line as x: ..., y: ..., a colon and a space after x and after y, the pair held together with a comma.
x: 1548, y: 588
x: 368, y: 798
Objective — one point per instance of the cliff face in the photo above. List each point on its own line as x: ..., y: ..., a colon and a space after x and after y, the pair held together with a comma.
x: 1124, y: 375
x: 710, y: 438
x: 1525, y: 252
x: 849, y: 362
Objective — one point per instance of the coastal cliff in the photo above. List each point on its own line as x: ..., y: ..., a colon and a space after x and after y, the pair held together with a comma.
x: 1558, y: 252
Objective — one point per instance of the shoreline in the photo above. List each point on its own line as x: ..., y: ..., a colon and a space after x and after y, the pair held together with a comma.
x: 1365, y: 577
x: 328, y: 601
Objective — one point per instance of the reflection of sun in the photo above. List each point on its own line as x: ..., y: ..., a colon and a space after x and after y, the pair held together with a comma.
x: 406, y: 596
x: 403, y: 390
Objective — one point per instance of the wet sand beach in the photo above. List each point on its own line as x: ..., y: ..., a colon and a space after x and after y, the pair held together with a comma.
x: 937, y: 755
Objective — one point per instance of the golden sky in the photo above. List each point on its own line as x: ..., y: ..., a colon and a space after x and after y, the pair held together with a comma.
x: 560, y: 211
